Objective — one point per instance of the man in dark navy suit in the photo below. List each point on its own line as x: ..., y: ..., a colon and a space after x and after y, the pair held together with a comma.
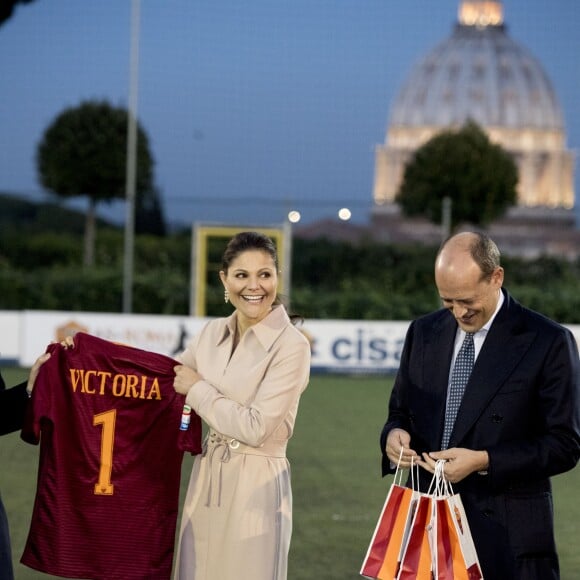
x: 518, y: 421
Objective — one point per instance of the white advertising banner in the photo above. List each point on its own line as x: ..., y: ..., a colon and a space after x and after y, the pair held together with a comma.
x: 164, y: 334
x: 10, y: 336
x: 350, y: 346
x: 338, y: 346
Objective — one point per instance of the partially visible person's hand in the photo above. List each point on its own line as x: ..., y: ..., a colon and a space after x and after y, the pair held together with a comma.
x: 459, y: 462
x: 398, y: 439
x: 68, y: 342
x: 34, y: 371
x: 185, y: 378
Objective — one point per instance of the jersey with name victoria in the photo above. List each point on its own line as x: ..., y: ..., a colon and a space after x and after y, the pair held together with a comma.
x: 108, y: 421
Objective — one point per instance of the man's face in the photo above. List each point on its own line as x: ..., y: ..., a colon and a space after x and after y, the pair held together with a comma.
x: 471, y: 298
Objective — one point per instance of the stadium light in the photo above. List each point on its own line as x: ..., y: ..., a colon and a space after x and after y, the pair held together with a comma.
x: 294, y: 216
x: 344, y: 214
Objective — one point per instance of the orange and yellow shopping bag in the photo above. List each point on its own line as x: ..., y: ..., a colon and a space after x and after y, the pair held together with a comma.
x: 383, y: 556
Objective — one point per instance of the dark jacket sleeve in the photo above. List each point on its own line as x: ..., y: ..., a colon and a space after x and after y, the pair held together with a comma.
x: 12, y: 408
x: 398, y: 408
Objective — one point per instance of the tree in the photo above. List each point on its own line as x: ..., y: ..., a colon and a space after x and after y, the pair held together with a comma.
x: 83, y: 153
x: 149, y: 213
x: 7, y: 8
x: 478, y: 176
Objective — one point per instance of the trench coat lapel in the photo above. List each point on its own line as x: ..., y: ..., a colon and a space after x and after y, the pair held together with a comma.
x: 505, y: 345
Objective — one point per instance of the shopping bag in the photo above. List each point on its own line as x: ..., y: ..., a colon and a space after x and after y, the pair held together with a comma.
x: 416, y: 561
x: 454, y: 556
x: 384, y: 553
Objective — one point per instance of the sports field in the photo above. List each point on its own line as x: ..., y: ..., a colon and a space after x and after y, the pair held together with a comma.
x: 338, y: 491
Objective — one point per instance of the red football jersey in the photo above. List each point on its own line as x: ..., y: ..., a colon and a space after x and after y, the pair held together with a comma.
x: 108, y: 421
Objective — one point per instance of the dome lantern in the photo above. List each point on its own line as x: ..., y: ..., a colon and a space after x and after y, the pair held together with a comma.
x: 480, y: 13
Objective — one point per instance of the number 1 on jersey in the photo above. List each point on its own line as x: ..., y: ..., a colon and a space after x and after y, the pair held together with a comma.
x: 107, y: 420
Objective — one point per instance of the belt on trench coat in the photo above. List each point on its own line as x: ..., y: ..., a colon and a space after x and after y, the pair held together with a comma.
x: 215, y: 441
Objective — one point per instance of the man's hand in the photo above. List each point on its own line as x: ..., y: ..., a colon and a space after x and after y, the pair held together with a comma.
x: 67, y: 342
x: 34, y: 371
x: 459, y: 462
x: 398, y: 439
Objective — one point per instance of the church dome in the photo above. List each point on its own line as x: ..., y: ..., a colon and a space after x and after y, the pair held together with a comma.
x: 480, y: 73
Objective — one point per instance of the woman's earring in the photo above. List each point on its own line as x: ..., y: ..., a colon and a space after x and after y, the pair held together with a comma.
x: 226, y: 296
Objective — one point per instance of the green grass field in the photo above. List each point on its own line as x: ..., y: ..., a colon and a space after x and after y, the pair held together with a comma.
x: 338, y: 491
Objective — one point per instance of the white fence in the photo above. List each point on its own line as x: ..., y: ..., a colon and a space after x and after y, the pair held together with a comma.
x: 342, y: 346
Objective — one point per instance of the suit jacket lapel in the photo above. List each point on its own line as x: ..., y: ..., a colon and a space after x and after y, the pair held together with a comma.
x: 506, y: 343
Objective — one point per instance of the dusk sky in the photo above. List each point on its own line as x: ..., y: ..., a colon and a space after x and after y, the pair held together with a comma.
x: 252, y: 107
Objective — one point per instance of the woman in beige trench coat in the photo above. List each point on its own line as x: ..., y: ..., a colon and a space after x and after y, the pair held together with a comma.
x: 243, y: 375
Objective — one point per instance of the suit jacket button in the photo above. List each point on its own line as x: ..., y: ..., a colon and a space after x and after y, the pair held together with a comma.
x: 496, y: 418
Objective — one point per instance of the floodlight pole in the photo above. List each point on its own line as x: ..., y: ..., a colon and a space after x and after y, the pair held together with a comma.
x: 130, y: 183
x: 287, y: 259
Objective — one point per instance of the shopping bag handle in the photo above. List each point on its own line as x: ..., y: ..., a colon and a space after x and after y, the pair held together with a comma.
x: 398, y: 479
x: 440, y: 486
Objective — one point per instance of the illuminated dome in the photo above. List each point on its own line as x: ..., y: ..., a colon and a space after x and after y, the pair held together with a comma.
x: 481, y: 73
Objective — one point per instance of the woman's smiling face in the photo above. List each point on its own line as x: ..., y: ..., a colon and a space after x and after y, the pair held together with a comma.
x: 251, y: 281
